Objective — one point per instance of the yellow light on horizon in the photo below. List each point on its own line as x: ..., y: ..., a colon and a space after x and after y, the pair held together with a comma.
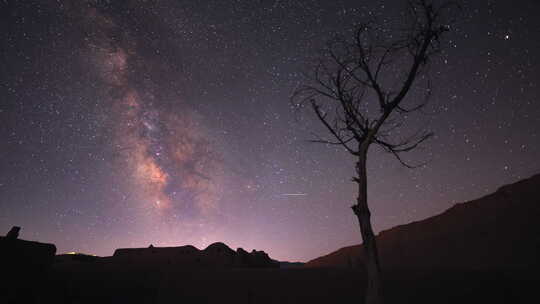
x: 73, y: 253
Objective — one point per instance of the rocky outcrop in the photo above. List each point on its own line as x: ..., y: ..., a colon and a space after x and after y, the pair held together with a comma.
x: 498, y: 231
x: 254, y: 259
x: 24, y: 266
x: 215, y: 255
x: 13, y: 233
x: 16, y: 253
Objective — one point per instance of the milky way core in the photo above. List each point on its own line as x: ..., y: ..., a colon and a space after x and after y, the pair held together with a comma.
x: 167, y: 155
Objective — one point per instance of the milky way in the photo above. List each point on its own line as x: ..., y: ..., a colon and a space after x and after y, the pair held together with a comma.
x: 168, y: 156
x: 165, y: 122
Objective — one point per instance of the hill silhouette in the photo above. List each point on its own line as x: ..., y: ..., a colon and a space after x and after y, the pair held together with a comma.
x: 497, y: 231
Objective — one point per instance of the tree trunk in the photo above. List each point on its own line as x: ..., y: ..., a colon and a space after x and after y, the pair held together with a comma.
x: 361, y: 210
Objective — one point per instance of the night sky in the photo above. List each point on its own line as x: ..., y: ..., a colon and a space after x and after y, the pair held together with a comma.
x: 129, y: 123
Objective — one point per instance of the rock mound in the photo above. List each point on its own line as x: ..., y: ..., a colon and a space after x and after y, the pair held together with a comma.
x: 215, y: 255
x: 24, y: 266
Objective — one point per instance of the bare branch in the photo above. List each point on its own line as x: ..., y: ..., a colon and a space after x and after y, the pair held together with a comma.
x: 406, y: 146
x: 352, y: 76
x: 322, y: 118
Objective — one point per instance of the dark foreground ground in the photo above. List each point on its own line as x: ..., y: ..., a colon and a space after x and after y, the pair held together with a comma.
x: 106, y: 283
x: 496, y: 233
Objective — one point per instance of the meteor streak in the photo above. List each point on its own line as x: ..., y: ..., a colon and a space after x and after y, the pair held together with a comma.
x: 293, y: 194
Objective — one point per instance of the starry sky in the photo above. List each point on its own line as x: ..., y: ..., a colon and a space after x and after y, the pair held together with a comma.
x: 129, y: 123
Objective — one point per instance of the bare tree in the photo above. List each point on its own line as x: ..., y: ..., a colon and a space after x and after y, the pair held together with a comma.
x: 358, y: 91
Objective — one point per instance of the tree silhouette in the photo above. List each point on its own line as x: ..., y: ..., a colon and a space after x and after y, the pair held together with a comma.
x: 358, y: 91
